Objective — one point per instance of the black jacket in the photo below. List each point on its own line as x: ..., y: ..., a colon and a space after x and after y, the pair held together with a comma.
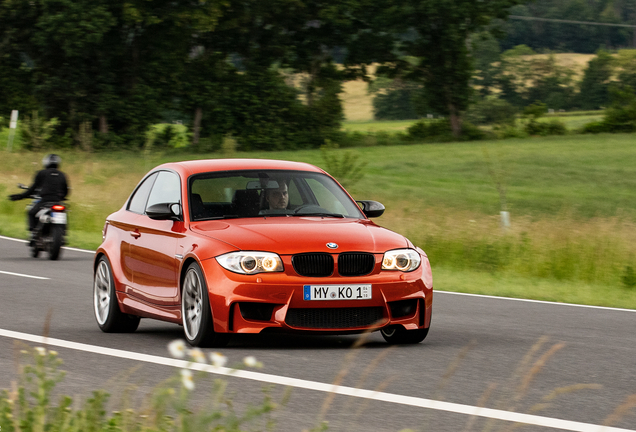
x: 50, y: 184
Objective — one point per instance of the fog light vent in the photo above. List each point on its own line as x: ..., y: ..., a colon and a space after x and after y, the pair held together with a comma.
x: 256, y: 311
x: 403, y: 308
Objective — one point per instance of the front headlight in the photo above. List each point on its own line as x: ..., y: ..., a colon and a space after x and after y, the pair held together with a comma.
x: 251, y: 262
x: 401, y: 259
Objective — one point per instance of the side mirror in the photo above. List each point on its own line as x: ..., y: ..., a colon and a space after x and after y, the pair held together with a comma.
x: 371, y: 209
x: 164, y: 211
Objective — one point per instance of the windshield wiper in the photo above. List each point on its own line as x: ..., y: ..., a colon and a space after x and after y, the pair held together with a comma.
x: 218, y: 218
x: 335, y: 215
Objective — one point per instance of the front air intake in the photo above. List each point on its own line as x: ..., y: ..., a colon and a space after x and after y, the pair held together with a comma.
x: 333, y: 318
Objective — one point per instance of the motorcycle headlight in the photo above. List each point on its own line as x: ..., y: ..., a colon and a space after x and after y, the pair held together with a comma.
x: 251, y: 262
x: 405, y: 260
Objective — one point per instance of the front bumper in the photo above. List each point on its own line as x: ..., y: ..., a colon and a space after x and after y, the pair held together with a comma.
x: 275, y: 301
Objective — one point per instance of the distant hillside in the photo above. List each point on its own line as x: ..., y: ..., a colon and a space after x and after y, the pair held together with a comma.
x: 358, y: 103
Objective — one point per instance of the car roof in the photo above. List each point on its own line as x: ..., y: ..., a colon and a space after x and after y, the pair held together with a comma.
x: 189, y: 168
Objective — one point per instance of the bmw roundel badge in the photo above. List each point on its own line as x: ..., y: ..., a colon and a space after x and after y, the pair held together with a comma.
x: 332, y: 245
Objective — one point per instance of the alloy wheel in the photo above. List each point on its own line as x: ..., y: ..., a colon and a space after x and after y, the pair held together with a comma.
x: 101, y: 292
x: 192, y: 303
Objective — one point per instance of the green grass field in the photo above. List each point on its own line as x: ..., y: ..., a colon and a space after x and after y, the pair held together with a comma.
x: 571, y: 201
x: 573, y: 121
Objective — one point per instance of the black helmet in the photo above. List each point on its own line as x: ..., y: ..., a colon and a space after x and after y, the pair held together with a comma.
x: 51, y: 161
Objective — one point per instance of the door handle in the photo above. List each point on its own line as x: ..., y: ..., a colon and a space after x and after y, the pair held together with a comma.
x: 136, y: 234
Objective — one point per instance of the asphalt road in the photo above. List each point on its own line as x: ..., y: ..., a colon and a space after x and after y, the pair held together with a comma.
x: 536, y: 363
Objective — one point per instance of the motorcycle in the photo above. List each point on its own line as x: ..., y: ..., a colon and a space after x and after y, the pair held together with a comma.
x: 50, y: 232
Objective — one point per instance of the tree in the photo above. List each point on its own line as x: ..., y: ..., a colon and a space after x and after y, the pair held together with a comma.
x: 594, y: 93
x: 436, y: 34
x: 524, y: 77
x: 112, y: 63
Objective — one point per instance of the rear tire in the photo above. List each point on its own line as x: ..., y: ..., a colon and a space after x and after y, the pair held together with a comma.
x: 109, y: 317
x: 57, y: 239
x: 398, y: 335
x: 196, y: 315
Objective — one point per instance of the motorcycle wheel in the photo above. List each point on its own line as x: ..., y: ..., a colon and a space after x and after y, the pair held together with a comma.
x: 35, y: 251
x: 56, y: 241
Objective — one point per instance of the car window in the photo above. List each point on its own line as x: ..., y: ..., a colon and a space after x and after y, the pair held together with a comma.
x: 218, y: 189
x: 325, y: 197
x: 138, y: 201
x: 295, y: 198
x: 167, y: 189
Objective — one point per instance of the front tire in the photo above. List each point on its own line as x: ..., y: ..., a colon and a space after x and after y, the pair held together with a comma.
x: 398, y: 335
x: 109, y: 317
x: 196, y: 314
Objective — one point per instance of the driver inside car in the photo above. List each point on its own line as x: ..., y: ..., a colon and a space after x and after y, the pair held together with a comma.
x: 276, y: 199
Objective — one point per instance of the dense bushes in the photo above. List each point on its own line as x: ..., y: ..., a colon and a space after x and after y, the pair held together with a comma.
x: 620, y: 117
x: 552, y: 127
x: 440, y: 131
x: 492, y: 110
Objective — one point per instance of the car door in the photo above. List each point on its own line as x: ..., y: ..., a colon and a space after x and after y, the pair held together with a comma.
x: 153, y: 249
x: 126, y: 227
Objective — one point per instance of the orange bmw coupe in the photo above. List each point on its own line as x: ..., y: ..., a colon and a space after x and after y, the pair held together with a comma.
x: 247, y: 246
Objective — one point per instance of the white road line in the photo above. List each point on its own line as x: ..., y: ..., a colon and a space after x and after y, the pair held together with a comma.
x: 535, y: 301
x: 24, y: 275
x: 65, y: 247
x: 322, y: 387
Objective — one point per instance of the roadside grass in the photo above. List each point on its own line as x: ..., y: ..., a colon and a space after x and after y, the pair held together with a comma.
x: 515, y: 286
x: 571, y: 200
x: 170, y: 406
x: 574, y: 121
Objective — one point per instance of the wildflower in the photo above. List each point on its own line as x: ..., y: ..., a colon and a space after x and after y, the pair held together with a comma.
x: 41, y: 351
x: 250, y: 361
x: 218, y: 359
x: 186, y: 379
x: 197, y: 355
x: 53, y: 353
x: 177, y: 348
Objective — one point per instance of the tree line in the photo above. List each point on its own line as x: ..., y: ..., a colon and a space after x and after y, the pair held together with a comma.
x: 227, y: 66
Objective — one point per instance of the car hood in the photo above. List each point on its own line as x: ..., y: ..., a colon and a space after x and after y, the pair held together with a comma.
x: 291, y: 235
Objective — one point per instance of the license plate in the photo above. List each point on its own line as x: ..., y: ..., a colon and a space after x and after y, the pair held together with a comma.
x: 337, y: 292
x: 58, y: 218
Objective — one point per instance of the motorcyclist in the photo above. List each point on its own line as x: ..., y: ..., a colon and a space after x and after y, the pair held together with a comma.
x: 50, y: 184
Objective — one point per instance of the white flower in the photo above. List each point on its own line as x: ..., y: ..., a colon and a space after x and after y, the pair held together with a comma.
x: 41, y: 351
x: 250, y: 361
x: 218, y: 359
x: 177, y: 348
x: 197, y: 355
x: 186, y: 379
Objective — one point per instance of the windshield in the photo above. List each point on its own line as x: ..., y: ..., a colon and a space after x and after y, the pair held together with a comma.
x: 268, y: 193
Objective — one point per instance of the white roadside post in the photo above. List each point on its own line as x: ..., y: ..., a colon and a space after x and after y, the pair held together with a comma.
x: 505, y: 220
x: 13, y: 124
